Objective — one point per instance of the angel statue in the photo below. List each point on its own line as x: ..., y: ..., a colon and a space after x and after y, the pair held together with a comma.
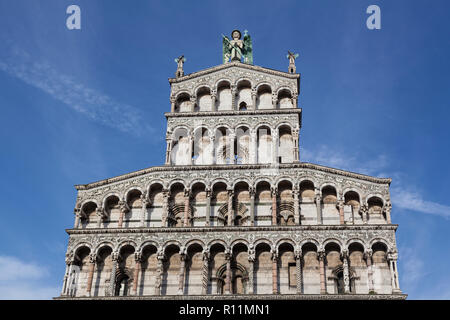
x: 292, y: 56
x: 180, y: 61
x: 236, y: 49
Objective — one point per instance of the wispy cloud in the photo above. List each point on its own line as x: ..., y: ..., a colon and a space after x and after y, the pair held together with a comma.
x: 24, y: 280
x: 412, y: 200
x: 87, y: 101
x: 403, y: 195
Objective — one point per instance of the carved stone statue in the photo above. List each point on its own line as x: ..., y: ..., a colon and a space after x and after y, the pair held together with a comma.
x: 292, y: 56
x: 180, y: 62
x: 236, y: 49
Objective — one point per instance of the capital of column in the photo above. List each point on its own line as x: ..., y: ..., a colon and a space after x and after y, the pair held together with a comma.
x: 321, y: 255
x: 368, y: 254
x: 340, y: 204
x: 123, y: 206
x: 298, y: 253
x: 274, y: 191
x: 92, y: 258
x: 252, y: 192
x: 138, y: 256
x: 344, y: 254
x: 208, y: 192
x: 205, y: 254
x: 187, y: 193
x: 173, y: 99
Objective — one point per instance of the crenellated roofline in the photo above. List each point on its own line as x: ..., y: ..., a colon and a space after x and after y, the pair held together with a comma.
x: 299, y: 165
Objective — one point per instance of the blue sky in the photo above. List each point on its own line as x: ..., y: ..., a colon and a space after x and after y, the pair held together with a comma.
x: 83, y: 105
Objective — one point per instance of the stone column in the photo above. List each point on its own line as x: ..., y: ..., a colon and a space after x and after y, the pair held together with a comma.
x: 253, y: 146
x: 172, y: 103
x: 165, y: 207
x: 252, y: 193
x: 387, y: 209
x: 182, y: 271
x: 137, y: 270
x: 228, y: 272
x: 212, y: 139
x: 193, y: 101
x: 299, y: 269
x: 368, y: 256
x: 230, y: 208
x: 159, y: 271
x: 66, y: 276
x: 392, y: 258
x: 274, y: 146
x: 205, y: 271
x: 318, y: 200
x: 295, y: 136
x: 208, y: 207
x: 321, y: 256
x: 191, y: 147
x: 112, y: 277
x: 251, y: 271
x: 186, y: 207
x: 123, y: 209
x: 346, y: 271
x: 296, y: 193
x: 340, y: 206
x: 274, y: 192
x: 254, y: 98
x: 231, y: 137
x: 295, y: 100
x: 274, y: 271
x: 100, y: 213
x: 213, y: 100
x: 169, y: 143
x: 145, y: 202
x: 364, y: 211
x: 274, y: 100
x: 233, y: 97
x: 92, y: 260
x: 77, y: 213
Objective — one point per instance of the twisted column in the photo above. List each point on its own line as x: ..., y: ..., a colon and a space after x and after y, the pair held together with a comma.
x: 230, y: 208
x: 274, y: 192
x: 165, y: 208
x: 346, y: 271
x: 251, y: 260
x: 205, y: 271
x: 112, y: 277
x: 299, y: 269
x: 296, y: 193
x: 233, y: 97
x: 321, y: 256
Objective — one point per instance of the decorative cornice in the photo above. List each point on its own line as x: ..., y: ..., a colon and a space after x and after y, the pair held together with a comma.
x: 399, y: 296
x: 233, y: 113
x: 300, y: 165
x: 216, y: 229
x: 234, y: 64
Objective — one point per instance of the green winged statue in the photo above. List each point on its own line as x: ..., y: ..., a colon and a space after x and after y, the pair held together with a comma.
x: 237, y: 49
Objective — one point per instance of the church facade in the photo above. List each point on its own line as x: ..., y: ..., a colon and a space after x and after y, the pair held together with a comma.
x: 233, y: 211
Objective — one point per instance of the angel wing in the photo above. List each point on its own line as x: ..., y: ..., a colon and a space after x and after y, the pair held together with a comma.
x: 225, y: 49
x: 248, y: 49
